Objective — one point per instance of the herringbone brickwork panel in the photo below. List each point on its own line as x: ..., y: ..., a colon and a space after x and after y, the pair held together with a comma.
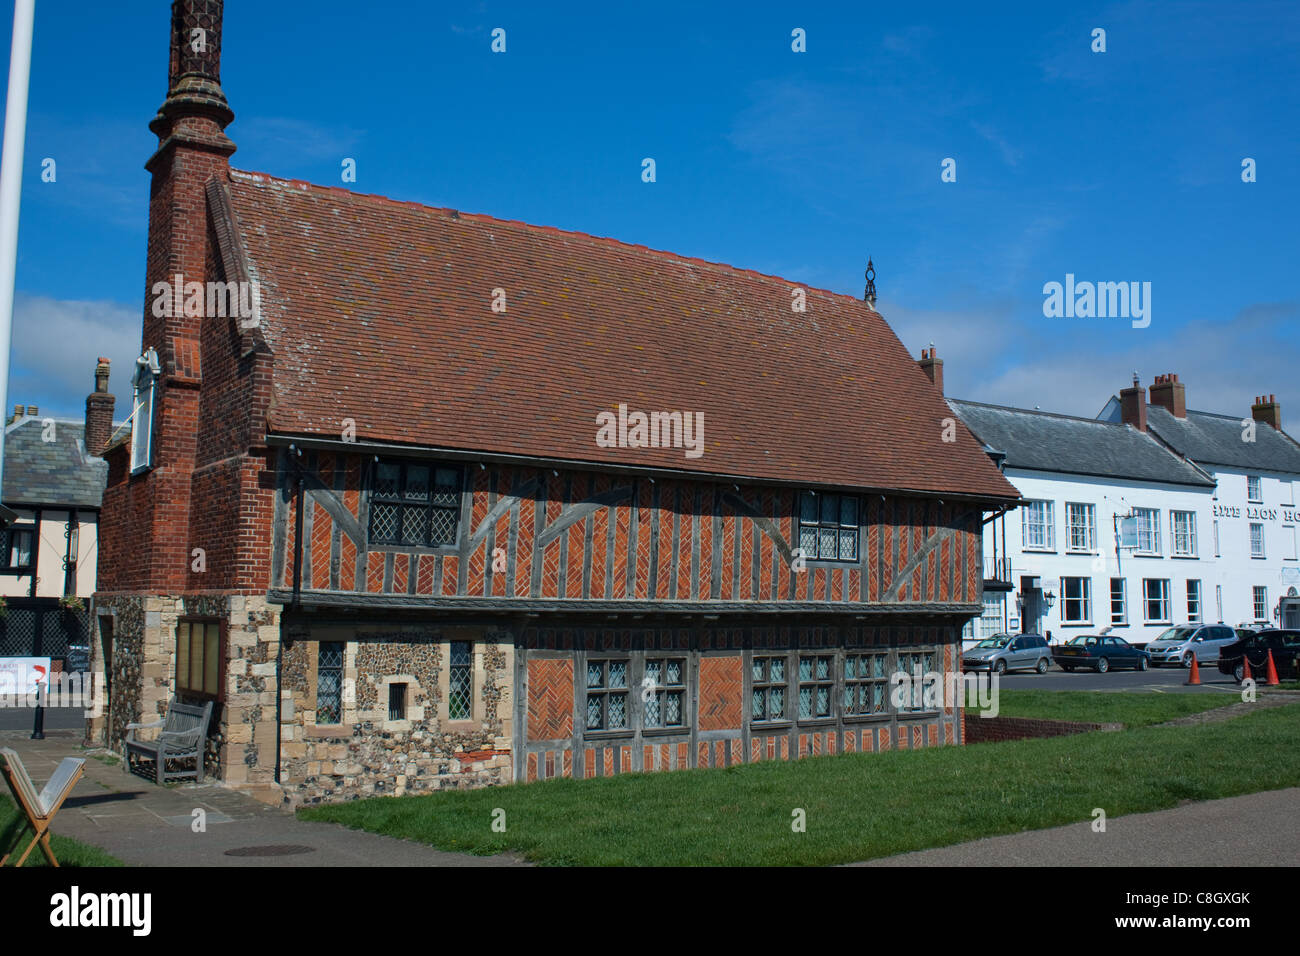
x: 550, y: 699
x: 721, y: 687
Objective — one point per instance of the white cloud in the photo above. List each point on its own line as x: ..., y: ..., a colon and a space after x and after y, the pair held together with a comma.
x: 56, y: 345
x: 991, y: 354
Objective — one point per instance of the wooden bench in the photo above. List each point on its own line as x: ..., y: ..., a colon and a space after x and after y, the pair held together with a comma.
x: 182, y: 740
x: 39, y: 808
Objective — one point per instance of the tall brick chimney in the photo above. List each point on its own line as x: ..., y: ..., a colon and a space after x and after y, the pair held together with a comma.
x: 99, y: 411
x: 1266, y: 409
x: 1133, y: 405
x: 933, y: 367
x: 193, y: 150
x: 1170, y: 394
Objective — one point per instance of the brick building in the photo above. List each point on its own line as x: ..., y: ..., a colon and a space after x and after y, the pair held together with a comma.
x: 388, y: 519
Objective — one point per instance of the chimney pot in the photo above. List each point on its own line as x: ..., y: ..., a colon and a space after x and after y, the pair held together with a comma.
x: 1133, y: 405
x: 1267, y: 411
x: 1170, y: 394
x: 932, y: 367
x: 99, y: 411
x: 33, y: 410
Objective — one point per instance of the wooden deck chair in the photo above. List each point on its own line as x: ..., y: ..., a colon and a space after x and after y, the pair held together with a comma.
x: 40, y: 808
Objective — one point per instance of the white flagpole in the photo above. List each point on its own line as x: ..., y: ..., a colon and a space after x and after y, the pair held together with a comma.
x: 11, y: 182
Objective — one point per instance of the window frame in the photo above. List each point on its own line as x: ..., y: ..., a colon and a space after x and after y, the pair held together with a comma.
x: 1257, y: 482
x: 1085, y: 599
x: 1197, y: 616
x: 1259, y: 599
x: 1089, y: 527
x: 912, y: 708
x: 342, y: 668
x: 1151, y: 517
x: 871, y: 683
x: 182, y: 686
x: 660, y: 692
x: 399, y: 500
x: 1048, y: 524
x: 839, y: 525
x: 1262, y: 553
x: 605, y: 691
x: 1122, y: 619
x: 468, y: 677
x: 768, y: 685
x: 1165, y: 598
x: 1189, y: 533
x: 32, y: 530
x: 831, y: 682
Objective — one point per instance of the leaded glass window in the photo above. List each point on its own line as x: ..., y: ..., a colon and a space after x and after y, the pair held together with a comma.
x: 460, y: 682
x: 329, y: 683
x: 922, y: 682
x: 816, y: 682
x: 768, y: 685
x: 664, y: 692
x: 828, y: 526
x: 414, y: 503
x: 865, y: 685
x: 607, y: 695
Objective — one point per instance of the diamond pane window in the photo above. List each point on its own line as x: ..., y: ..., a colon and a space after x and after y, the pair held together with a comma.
x: 816, y: 678
x: 768, y: 698
x: 828, y: 526
x: 460, y: 682
x: 414, y: 504
x: 664, y: 691
x: 329, y: 683
x: 607, y: 695
x: 922, y: 683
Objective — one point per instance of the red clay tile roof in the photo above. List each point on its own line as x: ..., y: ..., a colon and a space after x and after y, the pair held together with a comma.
x: 380, y: 311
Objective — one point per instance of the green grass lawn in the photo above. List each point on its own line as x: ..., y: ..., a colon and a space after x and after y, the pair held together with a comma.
x: 858, y: 806
x: 1131, y: 710
x: 69, y: 852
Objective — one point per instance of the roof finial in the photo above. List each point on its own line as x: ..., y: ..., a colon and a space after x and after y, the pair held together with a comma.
x: 1135, y: 378
x: 870, y: 294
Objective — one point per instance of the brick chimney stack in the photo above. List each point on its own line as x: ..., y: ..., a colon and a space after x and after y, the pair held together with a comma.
x: 99, y: 411
x: 193, y: 152
x: 1266, y: 409
x: 933, y: 367
x: 1133, y: 405
x: 1170, y: 394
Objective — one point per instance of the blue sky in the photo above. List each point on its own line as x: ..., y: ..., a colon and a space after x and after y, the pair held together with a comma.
x: 1115, y: 166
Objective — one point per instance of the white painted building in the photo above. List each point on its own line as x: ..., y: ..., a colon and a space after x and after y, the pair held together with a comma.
x: 1214, y: 525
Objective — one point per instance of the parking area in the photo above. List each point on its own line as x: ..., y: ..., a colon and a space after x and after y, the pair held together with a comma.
x: 1163, y: 679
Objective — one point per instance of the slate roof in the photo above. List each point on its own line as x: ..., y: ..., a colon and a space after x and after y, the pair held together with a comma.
x: 1217, y: 440
x: 53, y: 473
x: 379, y: 311
x: 1045, y: 441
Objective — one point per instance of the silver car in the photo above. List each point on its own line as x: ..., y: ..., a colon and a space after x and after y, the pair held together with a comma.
x: 1007, y: 652
x: 1178, y: 645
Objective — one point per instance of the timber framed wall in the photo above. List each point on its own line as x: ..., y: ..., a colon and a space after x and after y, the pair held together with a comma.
x: 718, y: 727
x: 548, y: 535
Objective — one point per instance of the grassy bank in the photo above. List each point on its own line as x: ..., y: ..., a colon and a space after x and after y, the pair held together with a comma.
x: 1131, y: 710
x: 858, y: 806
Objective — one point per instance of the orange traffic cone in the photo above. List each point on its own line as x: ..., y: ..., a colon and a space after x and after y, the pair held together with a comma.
x: 1195, y: 676
x: 1245, y: 673
x: 1271, y: 674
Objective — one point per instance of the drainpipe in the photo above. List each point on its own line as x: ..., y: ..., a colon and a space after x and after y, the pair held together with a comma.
x: 294, y: 605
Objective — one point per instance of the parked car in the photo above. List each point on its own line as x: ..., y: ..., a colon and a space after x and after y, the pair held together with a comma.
x: 1100, y: 652
x: 1008, y: 652
x: 1244, y: 631
x: 1177, y: 645
x: 1284, y: 644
